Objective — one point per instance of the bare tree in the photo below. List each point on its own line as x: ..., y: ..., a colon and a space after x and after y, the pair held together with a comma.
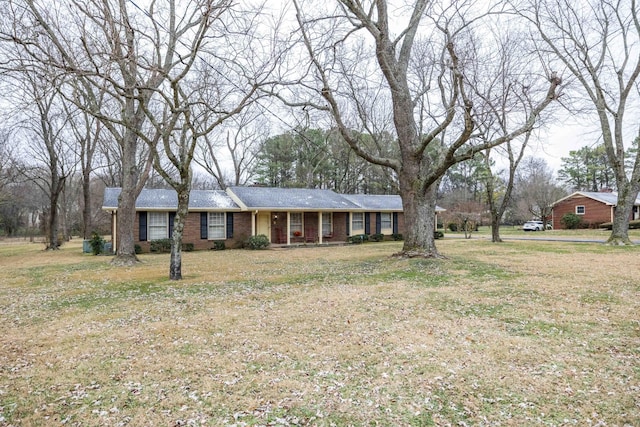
x: 366, y: 55
x: 598, y: 42
x: 501, y: 96
x: 537, y: 189
x: 87, y: 131
x: 197, y: 101
x: 48, y: 147
x: 235, y: 144
x: 118, y: 48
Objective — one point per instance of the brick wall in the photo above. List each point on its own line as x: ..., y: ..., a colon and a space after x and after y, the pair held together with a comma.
x: 594, y: 212
x: 241, y: 231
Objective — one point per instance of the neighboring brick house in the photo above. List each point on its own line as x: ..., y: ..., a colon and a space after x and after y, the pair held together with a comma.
x: 284, y: 215
x: 594, y: 208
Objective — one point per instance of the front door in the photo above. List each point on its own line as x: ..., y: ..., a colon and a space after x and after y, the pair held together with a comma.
x: 263, y: 224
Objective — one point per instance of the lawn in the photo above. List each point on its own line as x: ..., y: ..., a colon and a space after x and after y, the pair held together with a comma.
x: 524, y: 333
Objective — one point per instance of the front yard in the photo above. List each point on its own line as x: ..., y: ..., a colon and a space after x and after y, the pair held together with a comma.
x: 521, y: 333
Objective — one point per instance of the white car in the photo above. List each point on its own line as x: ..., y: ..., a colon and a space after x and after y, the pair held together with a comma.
x: 533, y: 226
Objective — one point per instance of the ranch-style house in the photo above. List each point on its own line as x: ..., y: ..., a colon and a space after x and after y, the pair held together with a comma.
x: 287, y: 216
x: 594, y: 208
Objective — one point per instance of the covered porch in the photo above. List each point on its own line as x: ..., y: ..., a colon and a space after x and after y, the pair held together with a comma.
x: 301, y: 227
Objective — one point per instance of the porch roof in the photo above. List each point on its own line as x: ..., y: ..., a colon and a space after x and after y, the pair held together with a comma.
x: 271, y: 198
x: 161, y: 199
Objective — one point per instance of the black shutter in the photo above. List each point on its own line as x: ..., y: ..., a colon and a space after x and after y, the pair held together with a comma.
x: 172, y: 218
x: 367, y: 223
x: 395, y: 223
x: 142, y: 230
x: 378, y: 223
x: 229, y: 225
x: 203, y: 225
x: 348, y: 216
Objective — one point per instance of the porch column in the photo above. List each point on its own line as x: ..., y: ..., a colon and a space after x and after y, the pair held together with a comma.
x: 320, y: 233
x: 114, y: 231
x: 253, y: 223
x: 288, y: 228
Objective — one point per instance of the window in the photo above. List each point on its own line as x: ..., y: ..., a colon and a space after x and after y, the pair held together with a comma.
x: 580, y: 210
x: 357, y: 221
x: 295, y: 224
x: 385, y: 221
x: 327, y: 223
x: 158, y: 225
x: 216, y: 225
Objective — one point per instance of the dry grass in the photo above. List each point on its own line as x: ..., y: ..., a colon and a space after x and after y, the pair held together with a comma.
x: 517, y: 334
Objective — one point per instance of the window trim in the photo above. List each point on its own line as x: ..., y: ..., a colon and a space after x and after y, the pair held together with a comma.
x: 165, y: 226
x: 327, y: 230
x: 293, y: 229
x: 584, y: 210
x: 382, y: 222
x: 361, y: 220
x: 210, y: 225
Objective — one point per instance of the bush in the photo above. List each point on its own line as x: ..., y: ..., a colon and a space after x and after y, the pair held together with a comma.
x: 438, y: 234
x: 97, y: 243
x: 137, y: 249
x: 397, y: 236
x: 257, y: 242
x: 358, y: 238
x: 378, y: 237
x: 188, y: 247
x: 219, y: 245
x: 160, y: 246
x: 571, y: 221
x: 453, y: 227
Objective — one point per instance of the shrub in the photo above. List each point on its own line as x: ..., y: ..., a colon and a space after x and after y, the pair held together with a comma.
x: 137, y: 249
x: 378, y: 237
x: 358, y: 238
x: 571, y: 221
x: 257, y: 242
x: 187, y: 247
x: 97, y: 243
x: 438, y: 234
x: 453, y: 227
x: 397, y: 236
x: 219, y: 245
x: 160, y: 245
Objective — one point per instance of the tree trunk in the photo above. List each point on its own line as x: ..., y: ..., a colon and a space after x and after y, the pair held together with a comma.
x: 52, y: 225
x: 126, y: 253
x: 125, y: 225
x: 86, y: 209
x: 495, y: 229
x: 175, y: 264
x: 620, y: 229
x: 53, y: 220
x: 419, y: 220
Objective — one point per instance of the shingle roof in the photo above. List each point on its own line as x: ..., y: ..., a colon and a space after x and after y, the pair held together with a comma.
x: 159, y: 199
x: 291, y: 199
x: 608, y: 198
x: 265, y: 198
x: 371, y: 202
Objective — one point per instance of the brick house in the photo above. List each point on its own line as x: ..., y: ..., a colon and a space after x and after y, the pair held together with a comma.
x: 285, y: 215
x: 594, y: 208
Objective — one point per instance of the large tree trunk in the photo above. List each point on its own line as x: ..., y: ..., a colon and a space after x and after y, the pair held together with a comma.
x: 419, y: 220
x: 175, y: 264
x: 620, y: 230
x: 126, y: 254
